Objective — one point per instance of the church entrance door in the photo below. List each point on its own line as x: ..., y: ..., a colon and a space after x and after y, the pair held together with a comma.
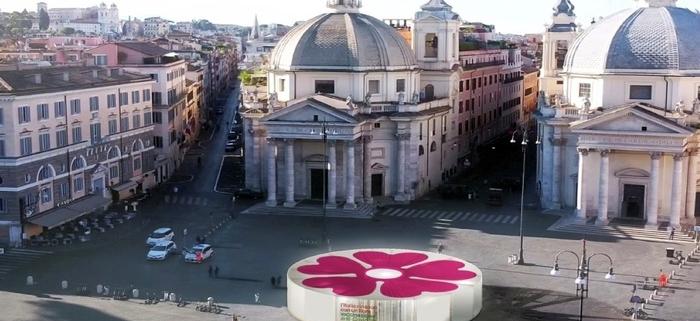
x: 319, y: 183
x: 377, y: 185
x: 633, y: 202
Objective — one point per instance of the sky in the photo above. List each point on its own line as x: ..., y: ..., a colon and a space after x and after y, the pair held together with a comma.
x: 509, y: 16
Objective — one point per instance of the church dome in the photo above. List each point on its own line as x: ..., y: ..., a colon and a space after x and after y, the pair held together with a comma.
x: 658, y: 39
x: 344, y: 40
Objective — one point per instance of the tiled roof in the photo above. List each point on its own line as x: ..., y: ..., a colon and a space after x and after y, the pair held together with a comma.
x: 23, y: 82
x: 146, y: 48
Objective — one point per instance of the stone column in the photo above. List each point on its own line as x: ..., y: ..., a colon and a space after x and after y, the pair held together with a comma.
x: 581, y: 196
x: 676, y: 188
x: 367, y: 179
x: 401, y: 168
x: 690, y: 197
x: 332, y: 176
x: 289, y: 167
x: 271, y: 173
x: 654, y: 189
x: 350, y: 176
x: 556, y: 172
x: 603, y: 188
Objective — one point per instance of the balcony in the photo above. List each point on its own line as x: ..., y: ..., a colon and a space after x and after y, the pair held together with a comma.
x: 512, y: 80
x: 472, y: 66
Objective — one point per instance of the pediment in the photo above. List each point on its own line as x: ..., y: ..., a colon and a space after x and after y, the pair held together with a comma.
x: 309, y: 111
x: 632, y: 173
x: 637, y: 120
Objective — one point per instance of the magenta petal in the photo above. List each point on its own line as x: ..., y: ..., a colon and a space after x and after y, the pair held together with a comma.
x: 333, y: 265
x: 408, y: 288
x: 440, y: 270
x: 390, y: 261
x: 345, y: 286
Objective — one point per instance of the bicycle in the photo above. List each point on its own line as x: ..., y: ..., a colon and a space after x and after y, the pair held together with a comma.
x: 638, y: 313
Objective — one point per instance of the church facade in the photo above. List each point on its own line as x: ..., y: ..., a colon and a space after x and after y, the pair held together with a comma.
x: 355, y: 112
x: 620, y: 135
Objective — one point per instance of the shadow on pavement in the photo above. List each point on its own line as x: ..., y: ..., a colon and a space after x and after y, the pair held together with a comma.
x: 63, y: 311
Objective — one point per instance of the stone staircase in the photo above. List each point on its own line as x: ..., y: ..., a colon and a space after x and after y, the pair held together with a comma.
x: 621, y: 230
x: 363, y: 211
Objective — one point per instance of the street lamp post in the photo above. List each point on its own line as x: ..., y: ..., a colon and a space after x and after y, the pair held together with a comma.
x: 583, y: 271
x: 324, y: 132
x: 524, y: 143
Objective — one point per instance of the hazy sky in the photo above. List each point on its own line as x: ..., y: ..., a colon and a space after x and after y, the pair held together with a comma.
x: 509, y: 16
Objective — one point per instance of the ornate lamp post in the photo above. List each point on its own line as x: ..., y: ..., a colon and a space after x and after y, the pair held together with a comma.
x: 324, y: 132
x: 524, y: 143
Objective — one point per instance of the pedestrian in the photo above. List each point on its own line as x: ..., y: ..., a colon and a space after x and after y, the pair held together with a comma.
x: 272, y: 281
x: 279, y: 280
x: 175, y: 189
x: 184, y: 232
x: 672, y: 233
x: 216, y: 272
x: 211, y: 271
x: 257, y: 297
x: 663, y: 279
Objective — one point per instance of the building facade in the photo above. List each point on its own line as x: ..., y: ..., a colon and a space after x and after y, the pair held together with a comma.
x: 92, y: 20
x: 621, y: 142
x: 155, y: 27
x: 71, y: 140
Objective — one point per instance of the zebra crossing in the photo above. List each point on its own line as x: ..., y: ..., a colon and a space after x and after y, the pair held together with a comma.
x: 186, y: 200
x: 13, y: 259
x: 455, y: 216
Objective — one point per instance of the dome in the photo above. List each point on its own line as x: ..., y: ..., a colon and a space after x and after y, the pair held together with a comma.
x: 343, y: 41
x: 659, y: 39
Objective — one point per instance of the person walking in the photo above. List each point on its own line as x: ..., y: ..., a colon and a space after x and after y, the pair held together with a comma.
x: 256, y: 296
x: 672, y: 233
x: 663, y: 279
x: 211, y: 271
x: 216, y: 272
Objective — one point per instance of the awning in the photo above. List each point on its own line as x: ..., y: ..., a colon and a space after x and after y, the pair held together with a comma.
x: 74, y: 210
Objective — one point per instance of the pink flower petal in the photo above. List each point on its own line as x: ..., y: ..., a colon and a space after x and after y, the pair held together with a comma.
x: 390, y: 261
x: 345, y: 286
x: 333, y: 265
x: 440, y: 270
x: 408, y: 288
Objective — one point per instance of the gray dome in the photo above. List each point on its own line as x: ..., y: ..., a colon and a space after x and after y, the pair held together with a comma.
x: 651, y: 40
x: 343, y: 41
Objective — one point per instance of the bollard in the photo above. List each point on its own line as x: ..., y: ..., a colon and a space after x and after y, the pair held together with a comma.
x: 64, y: 284
x: 173, y: 297
x: 135, y: 293
x: 30, y: 280
x: 210, y: 302
x: 99, y: 288
x: 165, y: 295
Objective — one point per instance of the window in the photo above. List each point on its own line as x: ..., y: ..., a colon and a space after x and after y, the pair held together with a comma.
x: 59, y: 109
x: 95, y: 133
x: 100, y: 60
x: 61, y: 137
x: 584, y: 90
x: 377, y: 125
x: 42, y: 111
x: 282, y: 85
x: 146, y: 95
x: 158, y: 141
x: 46, y: 196
x: 75, y: 106
x: 173, y: 137
x: 324, y: 86
x: 111, y: 101
x: 171, y: 116
x: 431, y: 45
x: 123, y: 99
x: 373, y: 87
x: 433, y: 147
x: 44, y: 142
x: 642, y: 92
x: 147, y: 118
x: 421, y: 150
x: 114, y: 172
x: 434, y: 126
x: 2, y: 206
x: 137, y: 121
x: 420, y: 131
x: 461, y: 107
x: 135, y: 97
x: 25, y: 146
x: 137, y: 163
x: 24, y: 114
x: 77, y: 134
x: 124, y: 124
x: 401, y: 85
x: 157, y: 117
x: 154, y: 77
x: 157, y: 98
x: 112, y: 126
x: 2, y: 148
x: 78, y: 184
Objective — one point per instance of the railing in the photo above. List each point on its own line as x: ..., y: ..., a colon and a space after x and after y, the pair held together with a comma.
x: 478, y: 65
x: 511, y: 80
x: 567, y: 112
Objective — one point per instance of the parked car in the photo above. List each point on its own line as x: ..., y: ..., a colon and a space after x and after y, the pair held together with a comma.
x: 199, y: 253
x: 162, y: 234
x: 161, y: 251
x: 245, y: 193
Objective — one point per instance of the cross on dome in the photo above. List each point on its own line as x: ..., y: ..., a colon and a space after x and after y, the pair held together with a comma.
x: 660, y: 3
x: 344, y: 5
x: 436, y: 5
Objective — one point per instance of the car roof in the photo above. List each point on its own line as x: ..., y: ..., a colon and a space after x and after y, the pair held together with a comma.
x: 163, y: 230
x: 200, y: 246
x: 164, y: 243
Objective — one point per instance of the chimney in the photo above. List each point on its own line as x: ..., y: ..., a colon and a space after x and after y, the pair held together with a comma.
x: 66, y: 76
x: 37, y: 79
x: 95, y: 73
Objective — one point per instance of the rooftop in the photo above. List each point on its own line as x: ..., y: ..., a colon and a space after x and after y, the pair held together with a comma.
x: 48, y: 80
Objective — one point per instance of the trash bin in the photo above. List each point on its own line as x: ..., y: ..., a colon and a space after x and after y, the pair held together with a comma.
x: 670, y: 252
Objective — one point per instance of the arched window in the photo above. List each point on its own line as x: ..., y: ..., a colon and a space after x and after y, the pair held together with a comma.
x: 421, y: 150
x: 113, y: 153
x: 78, y: 164
x: 431, y: 45
x: 433, y: 147
x: 137, y: 147
x: 429, y: 92
x: 45, y: 173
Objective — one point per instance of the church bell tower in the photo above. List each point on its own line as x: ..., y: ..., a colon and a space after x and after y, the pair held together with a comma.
x: 556, y: 41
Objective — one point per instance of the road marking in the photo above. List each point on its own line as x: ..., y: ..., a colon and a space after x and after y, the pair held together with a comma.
x: 427, y: 214
x: 498, y: 219
x: 515, y: 219
x: 482, y: 217
x: 489, y: 219
x: 420, y: 213
x: 404, y: 213
x: 432, y: 216
x: 459, y: 217
x: 190, y: 200
x: 390, y: 212
x: 442, y: 215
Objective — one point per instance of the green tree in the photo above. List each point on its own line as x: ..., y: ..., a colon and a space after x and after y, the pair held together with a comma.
x: 44, y: 20
x: 246, y: 77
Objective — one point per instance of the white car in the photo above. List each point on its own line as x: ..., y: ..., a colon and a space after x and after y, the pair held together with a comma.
x: 162, y: 234
x: 199, y: 253
x: 161, y: 251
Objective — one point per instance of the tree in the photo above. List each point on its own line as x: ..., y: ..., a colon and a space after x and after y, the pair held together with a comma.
x: 68, y: 31
x: 44, y: 20
x: 204, y: 25
x: 246, y: 77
